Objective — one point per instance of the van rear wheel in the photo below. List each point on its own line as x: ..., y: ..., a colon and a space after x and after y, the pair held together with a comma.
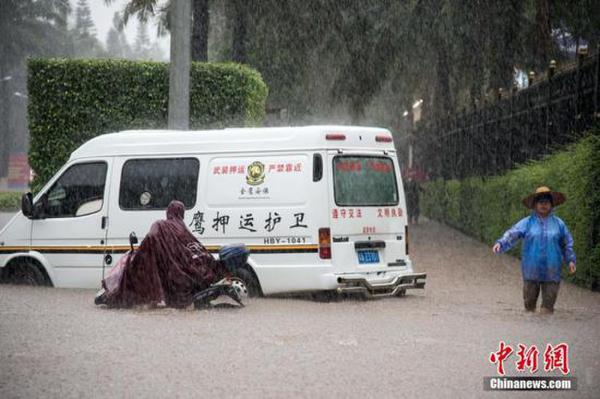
x: 24, y: 272
x: 250, y: 280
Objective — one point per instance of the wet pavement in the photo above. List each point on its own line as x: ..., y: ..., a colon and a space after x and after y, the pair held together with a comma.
x: 436, y: 343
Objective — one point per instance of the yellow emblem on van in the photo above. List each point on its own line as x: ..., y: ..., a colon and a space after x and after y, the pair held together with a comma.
x: 256, y: 173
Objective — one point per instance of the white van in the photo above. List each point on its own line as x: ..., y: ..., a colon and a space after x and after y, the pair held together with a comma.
x: 319, y: 207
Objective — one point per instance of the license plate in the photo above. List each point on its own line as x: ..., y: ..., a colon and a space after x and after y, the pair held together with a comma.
x: 368, y: 257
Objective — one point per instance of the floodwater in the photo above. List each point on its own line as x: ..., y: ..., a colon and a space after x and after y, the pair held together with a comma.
x: 432, y: 343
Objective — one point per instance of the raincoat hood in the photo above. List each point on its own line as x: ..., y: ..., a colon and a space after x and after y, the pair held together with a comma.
x: 175, y: 210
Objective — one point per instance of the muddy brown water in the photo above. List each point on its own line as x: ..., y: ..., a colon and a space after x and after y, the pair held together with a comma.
x: 432, y: 343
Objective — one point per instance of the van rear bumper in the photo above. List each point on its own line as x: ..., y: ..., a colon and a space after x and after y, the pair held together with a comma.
x: 381, y: 288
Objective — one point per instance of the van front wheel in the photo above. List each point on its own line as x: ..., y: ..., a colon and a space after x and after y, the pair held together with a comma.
x: 23, y: 272
x: 250, y: 280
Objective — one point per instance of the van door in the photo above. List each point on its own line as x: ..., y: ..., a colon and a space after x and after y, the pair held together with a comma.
x: 368, y: 216
x: 142, y: 189
x: 69, y: 229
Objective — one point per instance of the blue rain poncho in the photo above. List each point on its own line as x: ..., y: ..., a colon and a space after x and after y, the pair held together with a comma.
x: 546, y: 243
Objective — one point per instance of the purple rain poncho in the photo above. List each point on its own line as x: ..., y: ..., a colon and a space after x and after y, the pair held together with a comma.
x: 170, y: 265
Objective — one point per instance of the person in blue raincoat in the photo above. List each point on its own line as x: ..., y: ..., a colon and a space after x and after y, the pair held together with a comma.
x: 547, y: 242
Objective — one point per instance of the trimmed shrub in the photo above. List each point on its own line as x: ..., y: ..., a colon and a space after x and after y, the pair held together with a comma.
x: 485, y: 208
x: 72, y: 101
x: 10, y: 201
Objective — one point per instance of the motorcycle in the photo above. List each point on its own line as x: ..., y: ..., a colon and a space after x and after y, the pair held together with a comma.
x: 232, y: 256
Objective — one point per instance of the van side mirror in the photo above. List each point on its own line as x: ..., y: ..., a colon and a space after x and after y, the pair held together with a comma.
x: 27, y: 205
x: 132, y: 240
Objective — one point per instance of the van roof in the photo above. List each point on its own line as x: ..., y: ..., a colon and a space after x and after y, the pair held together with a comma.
x: 157, y: 142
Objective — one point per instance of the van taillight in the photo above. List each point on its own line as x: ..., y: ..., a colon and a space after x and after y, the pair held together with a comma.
x: 335, y: 136
x: 324, y: 243
x: 406, y: 238
x: 383, y: 138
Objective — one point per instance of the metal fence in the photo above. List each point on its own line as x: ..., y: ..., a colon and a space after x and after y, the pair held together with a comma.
x: 517, y: 127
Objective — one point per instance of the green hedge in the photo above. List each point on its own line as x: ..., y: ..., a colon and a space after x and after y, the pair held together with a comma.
x: 10, y: 201
x: 486, y: 207
x: 72, y: 101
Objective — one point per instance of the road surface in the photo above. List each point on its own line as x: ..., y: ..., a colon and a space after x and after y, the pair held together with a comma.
x: 56, y: 343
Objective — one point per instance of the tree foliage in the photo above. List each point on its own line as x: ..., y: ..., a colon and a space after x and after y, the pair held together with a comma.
x: 31, y: 27
x: 146, y: 9
x: 84, y: 25
x: 85, y: 42
x: 319, y: 56
x: 116, y: 42
x: 27, y: 27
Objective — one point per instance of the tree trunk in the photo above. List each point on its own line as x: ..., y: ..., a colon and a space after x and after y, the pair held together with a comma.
x: 200, y: 30
x: 543, y: 33
x: 240, y: 19
x: 179, y: 68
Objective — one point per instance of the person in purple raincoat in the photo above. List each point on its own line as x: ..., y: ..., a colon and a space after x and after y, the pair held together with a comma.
x: 169, y: 266
x: 547, y: 243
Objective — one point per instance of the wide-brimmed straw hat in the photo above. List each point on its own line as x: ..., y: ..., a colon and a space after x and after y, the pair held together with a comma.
x: 557, y: 197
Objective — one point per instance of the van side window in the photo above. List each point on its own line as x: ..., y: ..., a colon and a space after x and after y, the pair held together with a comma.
x: 79, y: 191
x: 154, y: 183
x: 317, y: 167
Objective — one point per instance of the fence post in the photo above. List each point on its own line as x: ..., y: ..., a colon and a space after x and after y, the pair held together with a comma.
x: 530, y: 112
x: 435, y: 138
x: 453, y: 138
x: 578, y: 117
x: 446, y: 147
x: 511, y: 124
x: 549, y: 119
x: 465, y: 141
x: 446, y: 127
x: 480, y: 146
x: 495, y: 137
x: 456, y: 139
x: 597, y: 86
x: 442, y: 151
x: 471, y: 142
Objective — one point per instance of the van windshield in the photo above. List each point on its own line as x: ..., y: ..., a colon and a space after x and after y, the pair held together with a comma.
x: 364, y: 181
